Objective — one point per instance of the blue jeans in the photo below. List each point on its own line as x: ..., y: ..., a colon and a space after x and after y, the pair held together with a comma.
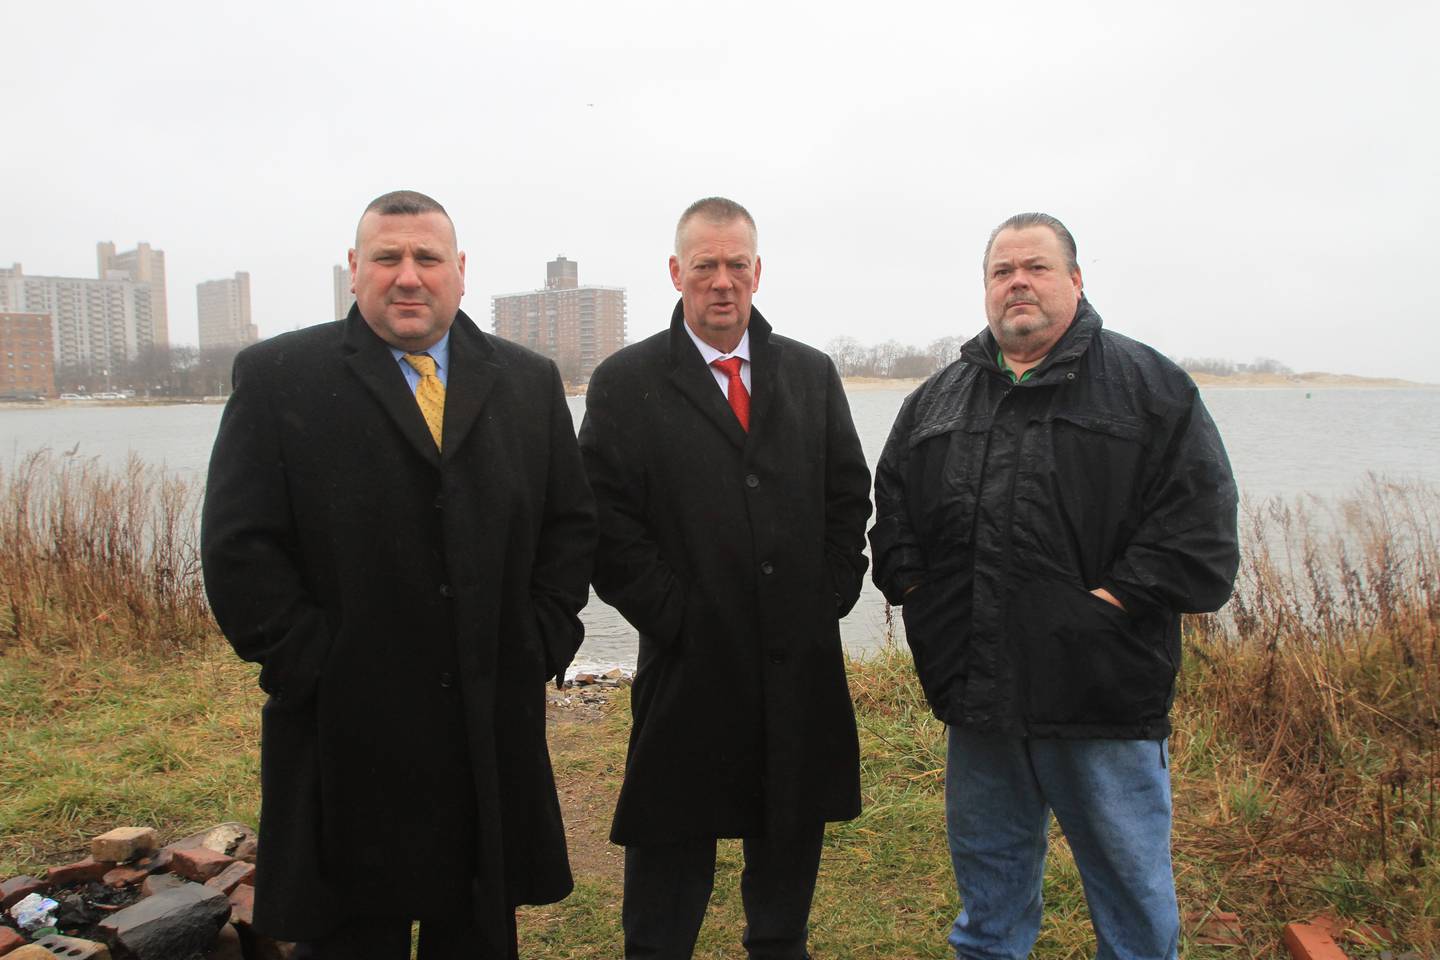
x: 1112, y: 799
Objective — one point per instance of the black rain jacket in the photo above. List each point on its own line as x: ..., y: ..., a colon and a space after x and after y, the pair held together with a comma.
x: 1002, y: 505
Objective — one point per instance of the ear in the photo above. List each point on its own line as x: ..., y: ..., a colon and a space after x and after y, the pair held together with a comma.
x: 1076, y: 280
x: 756, y: 285
x: 461, y: 262
x: 353, y: 260
x: 675, y: 271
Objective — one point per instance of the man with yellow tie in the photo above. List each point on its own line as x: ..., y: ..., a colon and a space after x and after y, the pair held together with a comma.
x: 397, y: 528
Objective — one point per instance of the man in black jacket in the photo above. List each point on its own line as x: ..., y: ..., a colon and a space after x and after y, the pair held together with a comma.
x: 1046, y: 508
x: 397, y: 528
x: 733, y: 496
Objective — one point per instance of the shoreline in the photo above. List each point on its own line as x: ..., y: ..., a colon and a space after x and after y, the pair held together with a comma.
x: 1246, y: 381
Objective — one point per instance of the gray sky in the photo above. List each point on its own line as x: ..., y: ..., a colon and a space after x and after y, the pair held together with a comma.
x: 1243, y: 179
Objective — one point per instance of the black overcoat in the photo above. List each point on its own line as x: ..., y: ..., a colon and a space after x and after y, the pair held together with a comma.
x: 734, y: 555
x: 406, y: 609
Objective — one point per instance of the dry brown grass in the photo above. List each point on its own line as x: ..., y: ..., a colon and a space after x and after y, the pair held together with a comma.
x: 90, y: 556
x: 1307, y: 722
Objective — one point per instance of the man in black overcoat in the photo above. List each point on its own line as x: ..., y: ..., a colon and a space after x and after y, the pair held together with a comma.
x: 398, y: 529
x: 733, y: 497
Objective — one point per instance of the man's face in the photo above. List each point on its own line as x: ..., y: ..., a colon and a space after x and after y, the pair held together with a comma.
x: 407, y: 277
x: 1030, y: 292
x: 717, y: 272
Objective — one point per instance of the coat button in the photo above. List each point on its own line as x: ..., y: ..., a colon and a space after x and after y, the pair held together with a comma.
x: 447, y: 680
x: 439, y: 503
x: 767, y: 568
x: 777, y: 655
x: 445, y: 590
x: 752, y: 481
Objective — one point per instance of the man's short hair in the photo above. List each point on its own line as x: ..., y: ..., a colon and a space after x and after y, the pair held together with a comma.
x: 716, y: 210
x: 1022, y: 221
x: 404, y: 203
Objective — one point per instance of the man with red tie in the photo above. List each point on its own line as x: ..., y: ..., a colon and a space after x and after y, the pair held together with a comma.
x: 733, y: 495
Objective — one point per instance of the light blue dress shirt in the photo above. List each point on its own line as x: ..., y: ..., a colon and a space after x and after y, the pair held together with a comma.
x: 439, y: 352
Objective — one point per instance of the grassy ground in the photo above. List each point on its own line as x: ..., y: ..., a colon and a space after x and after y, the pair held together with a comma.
x: 1306, y: 757
x: 105, y: 739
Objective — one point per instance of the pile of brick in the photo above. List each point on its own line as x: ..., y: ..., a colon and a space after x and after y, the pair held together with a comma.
x: 133, y: 899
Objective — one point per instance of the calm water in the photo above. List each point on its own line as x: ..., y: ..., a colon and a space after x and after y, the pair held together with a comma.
x: 1282, y: 442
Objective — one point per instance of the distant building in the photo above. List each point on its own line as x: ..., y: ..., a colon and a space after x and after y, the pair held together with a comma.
x: 575, y: 326
x: 27, y: 355
x: 141, y: 265
x: 223, y: 308
x: 95, y: 325
x: 340, y: 277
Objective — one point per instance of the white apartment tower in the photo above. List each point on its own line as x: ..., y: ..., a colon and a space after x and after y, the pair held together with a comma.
x: 223, y: 308
x: 141, y: 265
x: 95, y: 324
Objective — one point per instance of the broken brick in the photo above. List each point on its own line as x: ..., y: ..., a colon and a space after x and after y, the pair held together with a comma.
x: 1307, y: 941
x: 199, y: 863
x: 124, y: 843
x: 157, y: 882
x: 232, y: 876
x: 15, y: 889
x: 242, y: 905
x: 9, y: 940
x: 81, y: 871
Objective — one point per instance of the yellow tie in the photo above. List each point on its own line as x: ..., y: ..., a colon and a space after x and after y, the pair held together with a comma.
x: 430, y: 394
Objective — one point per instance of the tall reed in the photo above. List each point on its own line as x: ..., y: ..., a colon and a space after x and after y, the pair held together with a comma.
x: 1312, y: 703
x: 91, y: 555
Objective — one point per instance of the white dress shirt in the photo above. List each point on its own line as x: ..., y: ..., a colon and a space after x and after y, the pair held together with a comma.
x: 709, y: 354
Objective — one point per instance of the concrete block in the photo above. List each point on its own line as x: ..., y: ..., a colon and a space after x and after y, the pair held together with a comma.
x: 232, y: 876
x: 199, y: 863
x: 125, y: 843
x: 81, y: 871
x: 172, y: 923
x: 73, y: 948
x: 15, y: 889
x: 1306, y: 941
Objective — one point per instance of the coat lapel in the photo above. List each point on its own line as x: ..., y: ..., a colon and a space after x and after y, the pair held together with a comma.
x: 473, y: 371
x: 371, y: 360
x: 764, y: 361
x: 695, y: 381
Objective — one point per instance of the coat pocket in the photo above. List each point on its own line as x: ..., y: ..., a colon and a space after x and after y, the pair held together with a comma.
x: 937, y: 614
x: 1084, y: 661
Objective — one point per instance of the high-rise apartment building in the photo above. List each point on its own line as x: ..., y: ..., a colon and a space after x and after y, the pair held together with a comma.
x: 141, y: 265
x: 575, y: 326
x: 95, y: 324
x: 340, y: 278
x: 27, y: 355
x: 223, y: 308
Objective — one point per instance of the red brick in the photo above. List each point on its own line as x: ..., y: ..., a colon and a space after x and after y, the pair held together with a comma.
x: 127, y: 874
x: 1306, y: 941
x: 81, y: 871
x: 242, y: 906
x: 15, y: 889
x: 9, y: 940
x: 199, y: 863
x: 232, y: 876
x: 157, y: 882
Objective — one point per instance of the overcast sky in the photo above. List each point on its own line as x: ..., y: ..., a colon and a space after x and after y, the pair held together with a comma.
x: 1243, y: 179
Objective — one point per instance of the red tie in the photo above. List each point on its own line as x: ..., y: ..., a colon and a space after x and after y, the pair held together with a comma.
x: 739, y: 396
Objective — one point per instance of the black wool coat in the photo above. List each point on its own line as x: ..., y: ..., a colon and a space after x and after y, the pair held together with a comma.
x: 406, y: 608
x: 734, y: 555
